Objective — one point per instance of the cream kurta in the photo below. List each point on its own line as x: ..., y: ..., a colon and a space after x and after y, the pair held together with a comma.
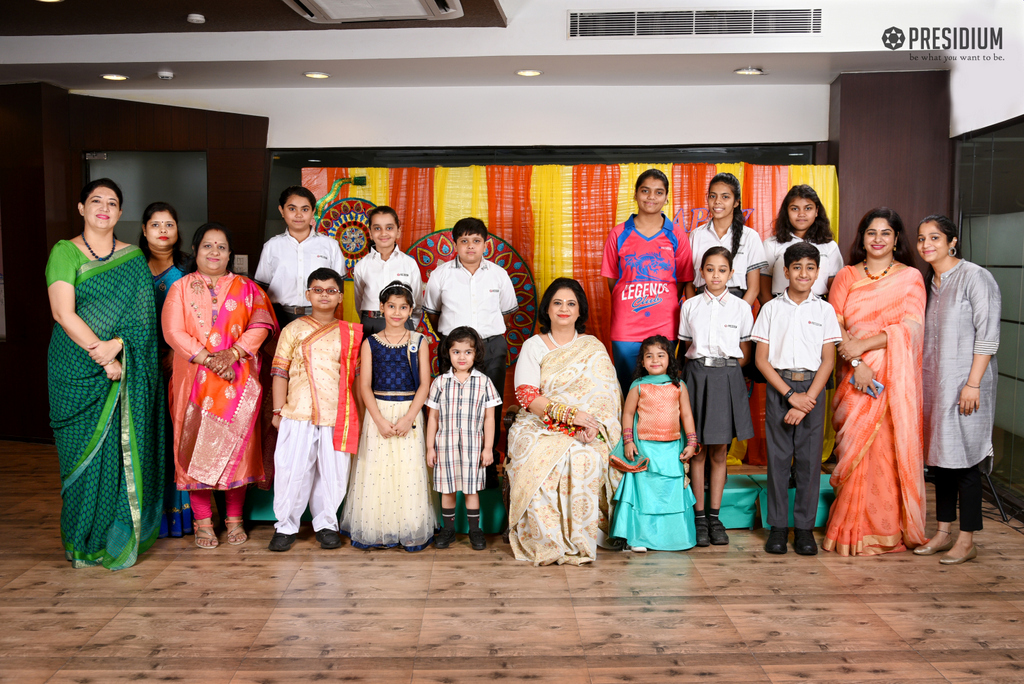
x: 309, y: 356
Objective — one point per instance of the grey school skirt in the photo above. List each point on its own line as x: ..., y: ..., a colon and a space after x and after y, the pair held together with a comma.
x: 721, y: 408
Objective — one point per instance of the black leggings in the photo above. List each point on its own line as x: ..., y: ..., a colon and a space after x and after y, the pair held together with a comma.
x: 949, y: 482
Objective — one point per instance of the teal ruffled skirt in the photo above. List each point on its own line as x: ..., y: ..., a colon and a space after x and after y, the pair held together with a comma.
x: 654, y: 508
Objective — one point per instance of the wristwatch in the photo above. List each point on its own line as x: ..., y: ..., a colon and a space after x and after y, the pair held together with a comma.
x: 855, y: 363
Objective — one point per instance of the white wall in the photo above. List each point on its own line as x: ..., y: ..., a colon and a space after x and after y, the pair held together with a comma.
x: 577, y: 115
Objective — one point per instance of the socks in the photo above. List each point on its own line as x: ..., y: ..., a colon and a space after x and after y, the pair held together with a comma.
x: 713, y: 513
x: 474, y: 518
x: 448, y: 515
x: 699, y: 515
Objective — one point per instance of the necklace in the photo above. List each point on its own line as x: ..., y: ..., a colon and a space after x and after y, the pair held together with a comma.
x: 559, y: 346
x: 113, y: 246
x: 388, y: 339
x: 880, y: 275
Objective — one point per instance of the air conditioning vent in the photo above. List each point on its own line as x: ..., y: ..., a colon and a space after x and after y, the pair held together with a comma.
x: 704, y: 22
x: 342, y: 11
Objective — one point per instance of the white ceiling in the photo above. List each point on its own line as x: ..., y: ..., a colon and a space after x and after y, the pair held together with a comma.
x: 536, y: 37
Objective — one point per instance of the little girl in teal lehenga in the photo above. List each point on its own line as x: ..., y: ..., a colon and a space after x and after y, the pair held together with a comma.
x: 654, y: 507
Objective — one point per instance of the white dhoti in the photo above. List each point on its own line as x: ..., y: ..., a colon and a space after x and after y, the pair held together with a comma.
x: 308, y: 471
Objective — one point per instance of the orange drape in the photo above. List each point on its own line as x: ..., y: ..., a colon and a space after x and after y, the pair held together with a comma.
x: 595, y: 188
x: 412, y: 198
x: 509, y: 211
x: 320, y: 180
x: 689, y: 191
x: 763, y: 190
x: 510, y: 217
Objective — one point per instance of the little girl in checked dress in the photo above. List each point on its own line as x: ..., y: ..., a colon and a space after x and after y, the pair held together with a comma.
x: 460, y: 431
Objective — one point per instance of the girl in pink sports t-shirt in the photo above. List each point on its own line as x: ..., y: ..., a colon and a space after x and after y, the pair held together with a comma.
x: 647, y: 262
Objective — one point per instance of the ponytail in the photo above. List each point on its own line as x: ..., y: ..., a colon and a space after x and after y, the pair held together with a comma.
x: 737, y: 212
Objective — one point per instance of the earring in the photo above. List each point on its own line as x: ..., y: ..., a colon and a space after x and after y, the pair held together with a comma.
x: 952, y: 251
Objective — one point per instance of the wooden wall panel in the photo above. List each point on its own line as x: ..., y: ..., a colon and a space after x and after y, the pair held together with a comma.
x: 889, y: 137
x: 34, y: 173
x: 44, y: 133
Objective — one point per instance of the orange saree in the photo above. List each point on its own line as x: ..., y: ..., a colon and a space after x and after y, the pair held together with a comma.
x: 216, y: 440
x: 879, y: 480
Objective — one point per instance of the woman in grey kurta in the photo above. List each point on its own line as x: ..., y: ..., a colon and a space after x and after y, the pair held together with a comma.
x: 961, y: 337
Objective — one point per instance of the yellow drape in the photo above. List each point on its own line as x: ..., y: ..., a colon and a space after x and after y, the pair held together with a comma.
x: 459, y: 192
x: 826, y: 183
x: 626, y: 204
x: 551, y: 196
x: 734, y: 169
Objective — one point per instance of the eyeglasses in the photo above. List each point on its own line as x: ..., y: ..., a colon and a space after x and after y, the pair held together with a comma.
x: 320, y: 291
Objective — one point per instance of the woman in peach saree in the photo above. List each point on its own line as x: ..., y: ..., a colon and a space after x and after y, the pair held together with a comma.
x: 879, y: 480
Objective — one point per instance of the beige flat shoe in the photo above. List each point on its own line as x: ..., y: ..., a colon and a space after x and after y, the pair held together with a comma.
x: 972, y: 554
x: 927, y: 549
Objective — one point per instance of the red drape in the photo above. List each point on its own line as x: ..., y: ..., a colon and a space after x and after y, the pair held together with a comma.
x: 412, y: 198
x: 595, y: 188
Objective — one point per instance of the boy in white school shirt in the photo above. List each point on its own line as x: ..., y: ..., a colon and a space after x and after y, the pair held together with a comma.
x: 472, y: 291
x: 384, y: 264
x: 796, y: 335
x: 289, y: 258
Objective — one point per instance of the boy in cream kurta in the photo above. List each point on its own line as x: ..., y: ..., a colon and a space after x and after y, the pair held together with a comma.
x: 314, y: 411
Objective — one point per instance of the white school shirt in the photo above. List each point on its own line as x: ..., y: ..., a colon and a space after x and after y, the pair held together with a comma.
x: 715, y: 326
x: 478, y: 300
x: 750, y: 256
x: 775, y: 265
x: 286, y: 263
x: 795, y: 333
x: 371, y: 274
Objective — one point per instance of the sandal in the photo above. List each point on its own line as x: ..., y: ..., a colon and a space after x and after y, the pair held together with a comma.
x: 204, y: 533
x: 236, y: 531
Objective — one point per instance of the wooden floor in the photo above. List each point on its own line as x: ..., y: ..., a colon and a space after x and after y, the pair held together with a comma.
x: 719, y: 614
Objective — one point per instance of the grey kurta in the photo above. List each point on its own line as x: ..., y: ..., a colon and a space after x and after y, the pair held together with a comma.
x: 962, y: 320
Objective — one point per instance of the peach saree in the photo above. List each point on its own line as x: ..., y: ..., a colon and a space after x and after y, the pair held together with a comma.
x: 879, y: 480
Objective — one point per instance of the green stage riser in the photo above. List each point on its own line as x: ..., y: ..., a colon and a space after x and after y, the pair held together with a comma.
x: 259, y: 505
x: 825, y: 498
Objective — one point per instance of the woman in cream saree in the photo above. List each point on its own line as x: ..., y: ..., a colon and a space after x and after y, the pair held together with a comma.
x: 561, y: 485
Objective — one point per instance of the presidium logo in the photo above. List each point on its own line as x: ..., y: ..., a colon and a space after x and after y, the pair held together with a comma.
x: 944, y: 38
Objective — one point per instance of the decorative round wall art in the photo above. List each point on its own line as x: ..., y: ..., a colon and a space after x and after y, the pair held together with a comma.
x: 344, y: 219
x: 438, y: 247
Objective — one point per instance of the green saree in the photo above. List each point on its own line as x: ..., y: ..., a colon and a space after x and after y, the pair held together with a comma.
x: 107, y: 432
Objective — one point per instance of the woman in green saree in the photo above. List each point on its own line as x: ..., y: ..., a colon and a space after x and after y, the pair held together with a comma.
x: 103, y: 377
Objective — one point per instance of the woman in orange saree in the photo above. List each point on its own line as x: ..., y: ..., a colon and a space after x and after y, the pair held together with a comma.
x: 215, y: 321
x: 879, y: 480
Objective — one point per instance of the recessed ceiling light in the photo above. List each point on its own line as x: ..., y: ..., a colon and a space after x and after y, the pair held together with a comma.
x: 51, y: 0
x: 529, y: 72
x: 314, y: 161
x: 316, y: 74
x: 114, y: 77
x: 195, y: 19
x: 749, y: 71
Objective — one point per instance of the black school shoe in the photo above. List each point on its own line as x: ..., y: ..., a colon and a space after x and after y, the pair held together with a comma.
x: 282, y: 542
x: 717, y: 532
x: 703, y: 538
x: 329, y: 539
x: 777, y: 539
x: 803, y: 542
x: 444, y: 538
x: 477, y: 540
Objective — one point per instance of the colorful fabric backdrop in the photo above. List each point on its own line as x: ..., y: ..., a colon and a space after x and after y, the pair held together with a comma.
x: 558, y: 217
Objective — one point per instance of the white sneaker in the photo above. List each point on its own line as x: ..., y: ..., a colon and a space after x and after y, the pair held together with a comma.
x: 637, y: 549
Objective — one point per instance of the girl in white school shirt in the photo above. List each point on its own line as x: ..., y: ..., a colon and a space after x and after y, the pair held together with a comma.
x: 801, y: 218
x: 384, y: 264
x: 715, y: 326
x: 726, y: 229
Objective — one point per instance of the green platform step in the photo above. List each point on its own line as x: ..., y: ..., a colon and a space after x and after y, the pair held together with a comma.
x: 739, y: 505
x: 825, y: 498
